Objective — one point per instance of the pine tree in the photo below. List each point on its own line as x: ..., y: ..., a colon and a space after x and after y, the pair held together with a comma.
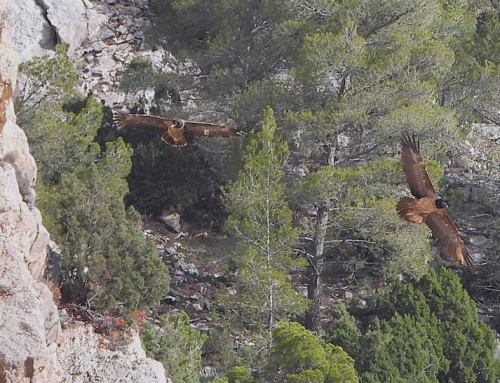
x: 229, y: 49
x: 401, y: 350
x: 107, y: 264
x: 355, y: 207
x: 427, y: 331
x: 177, y: 346
x: 298, y: 356
x: 343, y: 331
x: 262, y: 222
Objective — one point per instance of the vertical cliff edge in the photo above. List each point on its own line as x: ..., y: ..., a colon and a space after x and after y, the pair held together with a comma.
x: 33, y: 346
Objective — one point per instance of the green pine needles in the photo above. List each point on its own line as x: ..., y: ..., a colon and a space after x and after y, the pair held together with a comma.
x: 262, y: 222
x: 106, y: 263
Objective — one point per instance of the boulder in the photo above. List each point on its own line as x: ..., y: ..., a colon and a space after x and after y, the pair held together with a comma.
x: 36, y: 27
x: 172, y: 221
x: 86, y: 357
x: 32, y: 35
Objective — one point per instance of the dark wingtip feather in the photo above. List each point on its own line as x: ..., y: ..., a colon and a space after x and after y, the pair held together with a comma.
x: 411, y: 141
x: 469, y: 261
x: 118, y: 118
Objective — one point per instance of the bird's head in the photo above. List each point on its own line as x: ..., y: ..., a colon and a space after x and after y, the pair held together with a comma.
x: 178, y: 123
x: 440, y: 204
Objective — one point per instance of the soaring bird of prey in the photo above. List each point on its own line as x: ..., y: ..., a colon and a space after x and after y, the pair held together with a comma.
x: 174, y: 131
x: 427, y: 206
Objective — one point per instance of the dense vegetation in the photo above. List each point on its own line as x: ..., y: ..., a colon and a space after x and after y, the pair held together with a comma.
x: 426, y: 330
x: 326, y: 89
x: 176, y: 345
x: 344, y: 80
x: 106, y: 265
x: 262, y: 222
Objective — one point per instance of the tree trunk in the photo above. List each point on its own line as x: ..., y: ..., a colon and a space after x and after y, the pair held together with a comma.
x: 332, y: 150
x: 316, y: 265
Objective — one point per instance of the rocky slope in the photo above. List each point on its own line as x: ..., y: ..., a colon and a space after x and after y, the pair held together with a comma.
x: 103, y: 36
x: 34, y: 348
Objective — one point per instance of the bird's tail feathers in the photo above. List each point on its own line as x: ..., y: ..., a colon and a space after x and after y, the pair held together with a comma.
x: 167, y: 138
x: 240, y: 133
x: 406, y: 210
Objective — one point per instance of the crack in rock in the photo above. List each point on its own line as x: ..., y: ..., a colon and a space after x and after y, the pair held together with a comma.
x: 45, y: 9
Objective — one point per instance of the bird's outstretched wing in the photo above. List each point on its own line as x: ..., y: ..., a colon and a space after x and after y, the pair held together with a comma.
x: 447, y: 237
x: 204, y: 129
x: 140, y: 121
x: 414, y: 169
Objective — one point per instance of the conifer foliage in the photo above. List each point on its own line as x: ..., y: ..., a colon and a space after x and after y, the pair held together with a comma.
x: 426, y: 330
x: 106, y: 263
x: 262, y: 222
x: 297, y: 356
x: 176, y: 345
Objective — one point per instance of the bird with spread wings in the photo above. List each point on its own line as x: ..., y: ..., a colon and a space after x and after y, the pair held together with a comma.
x: 175, y: 131
x: 427, y: 206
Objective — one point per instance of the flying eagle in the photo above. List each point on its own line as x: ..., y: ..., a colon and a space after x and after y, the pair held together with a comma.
x: 174, y: 131
x: 427, y: 206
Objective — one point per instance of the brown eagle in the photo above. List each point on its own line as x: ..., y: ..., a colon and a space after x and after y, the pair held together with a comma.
x: 427, y: 206
x: 174, y: 131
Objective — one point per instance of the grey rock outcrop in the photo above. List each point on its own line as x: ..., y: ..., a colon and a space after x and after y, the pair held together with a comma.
x: 37, y: 26
x: 172, y: 220
x: 31, y: 33
x: 29, y: 323
x: 104, y: 56
x: 82, y: 348
x: 33, y: 346
x: 72, y: 21
x: 103, y: 38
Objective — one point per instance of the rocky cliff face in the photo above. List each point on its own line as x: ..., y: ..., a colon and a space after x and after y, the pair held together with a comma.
x: 33, y: 346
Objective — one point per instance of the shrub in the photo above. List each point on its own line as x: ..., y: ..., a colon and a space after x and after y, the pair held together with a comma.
x: 177, y: 346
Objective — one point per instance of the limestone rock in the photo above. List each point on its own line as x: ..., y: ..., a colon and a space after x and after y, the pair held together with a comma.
x: 36, y: 27
x: 27, y: 312
x: 50, y: 314
x: 5, y: 95
x: 31, y: 33
x: 172, y: 220
x: 72, y: 21
x: 33, y: 346
x: 86, y: 358
x: 188, y: 268
x: 25, y: 307
x: 489, y: 131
